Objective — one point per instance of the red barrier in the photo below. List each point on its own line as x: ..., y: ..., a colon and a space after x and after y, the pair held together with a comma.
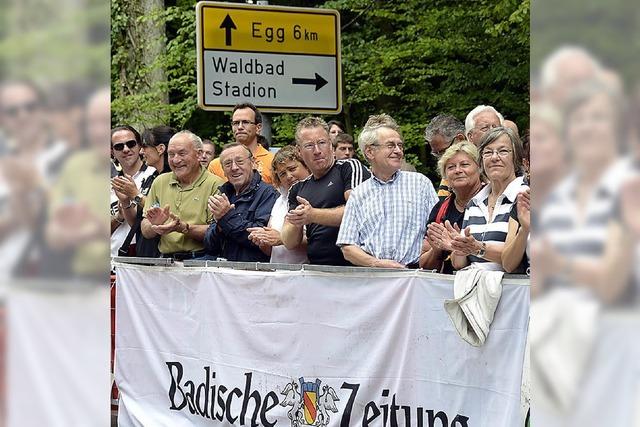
x: 114, y: 389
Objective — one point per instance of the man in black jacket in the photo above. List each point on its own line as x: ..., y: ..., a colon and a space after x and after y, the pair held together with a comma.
x: 244, y: 201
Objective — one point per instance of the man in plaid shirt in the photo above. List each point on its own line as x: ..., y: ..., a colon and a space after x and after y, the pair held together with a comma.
x: 386, y: 216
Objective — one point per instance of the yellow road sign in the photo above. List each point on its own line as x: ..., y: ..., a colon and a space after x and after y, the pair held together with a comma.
x: 258, y: 29
x: 279, y: 58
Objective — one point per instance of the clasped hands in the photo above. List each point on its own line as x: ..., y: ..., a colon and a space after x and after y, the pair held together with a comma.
x: 219, y: 205
x: 264, y: 236
x: 163, y: 221
x: 448, y: 237
x: 302, y: 214
x: 124, y: 187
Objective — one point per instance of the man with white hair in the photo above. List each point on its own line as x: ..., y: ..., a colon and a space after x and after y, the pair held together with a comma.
x: 386, y: 216
x: 481, y: 120
x: 176, y: 206
x: 565, y: 70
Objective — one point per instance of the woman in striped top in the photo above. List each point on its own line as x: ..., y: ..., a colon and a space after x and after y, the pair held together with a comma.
x: 486, y: 218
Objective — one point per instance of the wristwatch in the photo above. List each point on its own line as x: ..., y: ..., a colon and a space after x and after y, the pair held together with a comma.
x: 138, y: 199
x: 482, y: 251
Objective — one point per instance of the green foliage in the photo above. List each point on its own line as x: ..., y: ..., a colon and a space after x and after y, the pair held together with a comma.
x: 49, y: 43
x: 138, y: 98
x: 411, y: 59
x: 415, y: 59
x: 609, y: 30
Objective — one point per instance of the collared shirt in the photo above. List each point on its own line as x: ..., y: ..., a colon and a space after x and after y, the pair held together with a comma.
x: 229, y: 236
x: 580, y: 232
x: 388, y: 219
x: 490, y: 230
x: 263, y: 159
x: 81, y: 175
x: 188, y: 203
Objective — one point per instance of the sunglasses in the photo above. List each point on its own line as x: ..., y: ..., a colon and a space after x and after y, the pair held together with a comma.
x: 14, y: 110
x: 120, y: 145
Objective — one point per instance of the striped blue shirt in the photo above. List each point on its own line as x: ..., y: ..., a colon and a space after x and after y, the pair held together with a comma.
x: 490, y: 230
x: 388, y: 219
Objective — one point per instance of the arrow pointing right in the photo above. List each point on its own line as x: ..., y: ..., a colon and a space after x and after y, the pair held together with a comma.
x: 318, y: 81
x: 228, y: 25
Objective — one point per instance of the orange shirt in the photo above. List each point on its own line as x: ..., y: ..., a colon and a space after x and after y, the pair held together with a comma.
x: 443, y: 189
x: 263, y: 159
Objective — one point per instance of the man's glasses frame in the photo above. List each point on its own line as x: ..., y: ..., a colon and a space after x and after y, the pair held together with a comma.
x: 244, y: 123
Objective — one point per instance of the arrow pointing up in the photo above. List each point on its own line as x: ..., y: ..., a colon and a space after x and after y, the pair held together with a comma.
x: 318, y: 81
x: 228, y: 25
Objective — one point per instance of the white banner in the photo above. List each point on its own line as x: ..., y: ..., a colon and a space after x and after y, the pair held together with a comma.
x: 202, y: 346
x: 57, y: 354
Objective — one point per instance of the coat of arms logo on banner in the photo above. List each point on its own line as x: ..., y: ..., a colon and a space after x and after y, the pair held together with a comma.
x: 311, y: 407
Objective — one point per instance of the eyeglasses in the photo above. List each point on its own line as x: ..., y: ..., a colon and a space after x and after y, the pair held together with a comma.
x: 320, y: 144
x: 120, y: 145
x: 438, y: 154
x: 391, y: 145
x: 485, y: 127
x: 227, y: 164
x: 244, y: 123
x: 503, y: 152
x: 14, y: 110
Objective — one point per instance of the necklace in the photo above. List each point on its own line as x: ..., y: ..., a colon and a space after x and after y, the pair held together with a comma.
x: 492, y: 206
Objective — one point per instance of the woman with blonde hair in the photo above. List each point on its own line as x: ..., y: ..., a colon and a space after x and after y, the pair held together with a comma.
x: 459, y: 166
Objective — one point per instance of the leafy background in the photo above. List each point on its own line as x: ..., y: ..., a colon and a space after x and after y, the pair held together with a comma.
x: 411, y: 59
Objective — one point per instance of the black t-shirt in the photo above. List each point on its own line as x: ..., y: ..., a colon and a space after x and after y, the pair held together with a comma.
x: 452, y: 214
x: 455, y: 217
x: 327, y: 192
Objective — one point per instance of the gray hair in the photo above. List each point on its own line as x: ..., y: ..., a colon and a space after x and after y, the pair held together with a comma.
x: 228, y: 145
x: 516, y: 147
x: 192, y: 137
x: 551, y: 67
x: 546, y: 112
x: 310, y: 122
x: 444, y: 124
x: 369, y: 134
x: 465, y: 147
x: 470, y: 120
x: 587, y: 91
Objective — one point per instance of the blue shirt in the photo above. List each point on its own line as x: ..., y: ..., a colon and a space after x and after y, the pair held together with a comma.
x: 229, y: 237
x: 388, y: 219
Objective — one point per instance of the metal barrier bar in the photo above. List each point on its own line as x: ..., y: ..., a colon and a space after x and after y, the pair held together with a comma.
x: 269, y: 267
x: 143, y: 261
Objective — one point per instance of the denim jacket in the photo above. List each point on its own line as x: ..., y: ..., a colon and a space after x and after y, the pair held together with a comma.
x: 228, y: 237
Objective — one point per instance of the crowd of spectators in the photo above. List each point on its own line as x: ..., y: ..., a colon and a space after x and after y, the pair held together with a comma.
x: 336, y: 199
x: 315, y: 202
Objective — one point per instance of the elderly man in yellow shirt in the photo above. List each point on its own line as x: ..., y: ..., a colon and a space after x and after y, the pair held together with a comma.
x: 176, y: 207
x: 246, y: 123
